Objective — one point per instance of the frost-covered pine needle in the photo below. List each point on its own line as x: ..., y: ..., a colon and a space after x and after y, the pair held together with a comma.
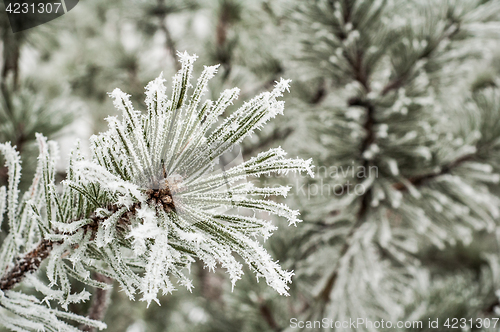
x: 150, y: 200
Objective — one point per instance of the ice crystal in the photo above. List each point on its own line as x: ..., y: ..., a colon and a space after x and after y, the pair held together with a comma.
x: 152, y: 198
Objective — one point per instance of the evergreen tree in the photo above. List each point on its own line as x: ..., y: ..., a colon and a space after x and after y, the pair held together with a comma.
x: 397, y: 102
x: 407, y: 163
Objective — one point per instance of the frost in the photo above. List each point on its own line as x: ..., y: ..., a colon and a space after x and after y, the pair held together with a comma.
x: 149, y: 201
x: 393, y: 166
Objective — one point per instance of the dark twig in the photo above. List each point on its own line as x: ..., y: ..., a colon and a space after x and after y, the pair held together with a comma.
x: 25, y: 265
x: 320, y: 94
x: 361, y: 75
x: 225, y: 20
x: 421, y: 179
x: 32, y: 260
x: 100, y: 302
x: 169, y: 41
x: 11, y: 55
x: 4, y: 175
x: 491, y: 308
x: 211, y: 284
x: 324, y: 295
x: 268, y: 316
x: 401, y: 79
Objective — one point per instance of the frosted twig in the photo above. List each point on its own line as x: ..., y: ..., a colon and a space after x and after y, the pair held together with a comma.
x: 27, y: 264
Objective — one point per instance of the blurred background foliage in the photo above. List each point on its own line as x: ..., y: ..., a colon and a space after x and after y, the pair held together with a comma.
x: 427, y: 72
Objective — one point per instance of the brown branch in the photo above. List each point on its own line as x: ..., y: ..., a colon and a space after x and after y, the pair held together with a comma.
x: 421, y: 179
x: 400, y: 80
x: 394, y: 84
x: 361, y: 75
x: 11, y: 55
x: 32, y: 260
x: 100, y: 302
x: 211, y: 284
x: 222, y: 27
x: 369, y: 123
x: 347, y: 11
x: 324, y: 295
x: 267, y: 314
x: 320, y: 94
x: 27, y: 264
x: 169, y: 41
x: 491, y: 308
x: 223, y: 46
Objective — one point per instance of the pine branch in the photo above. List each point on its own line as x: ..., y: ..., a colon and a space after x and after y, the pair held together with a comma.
x: 222, y: 27
x: 268, y: 316
x: 11, y: 55
x: 227, y: 15
x: 25, y: 265
x: 320, y: 94
x: 450, y: 31
x: 31, y: 261
x: 422, y: 179
x: 361, y: 76
x: 169, y: 41
x: 20, y: 138
x: 324, y: 295
x: 100, y: 302
x: 370, y: 136
x: 142, y: 167
x: 20, y: 141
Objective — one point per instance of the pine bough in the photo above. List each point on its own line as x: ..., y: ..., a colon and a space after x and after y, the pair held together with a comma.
x: 400, y: 102
x: 148, y: 202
